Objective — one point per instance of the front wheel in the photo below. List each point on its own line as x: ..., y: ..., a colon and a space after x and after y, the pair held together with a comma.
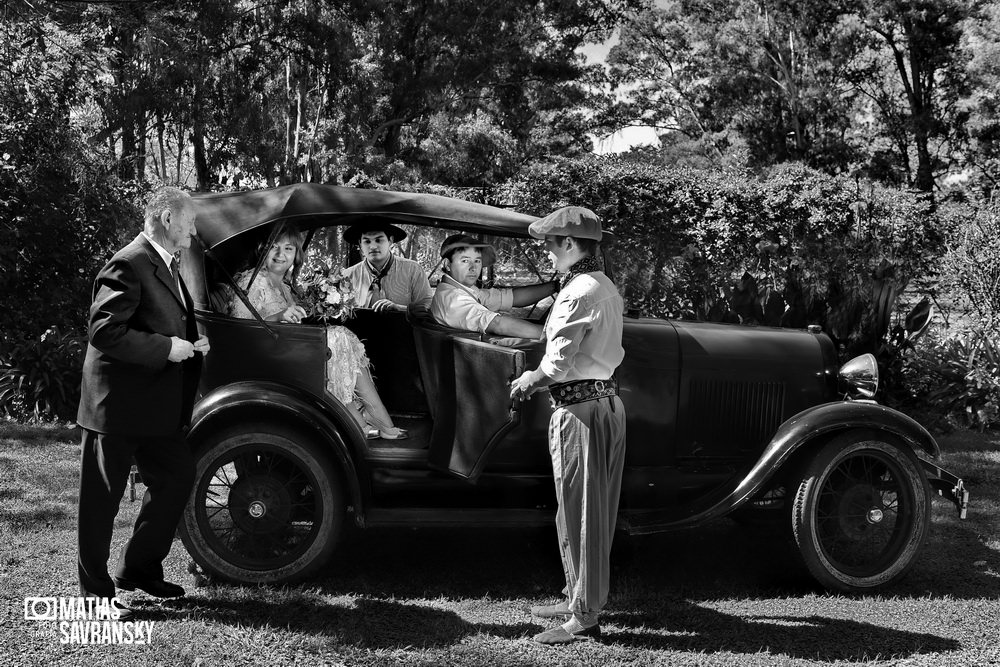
x: 267, y: 505
x: 860, y: 512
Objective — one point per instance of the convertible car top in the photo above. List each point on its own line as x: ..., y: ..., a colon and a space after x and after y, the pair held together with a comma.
x: 221, y: 216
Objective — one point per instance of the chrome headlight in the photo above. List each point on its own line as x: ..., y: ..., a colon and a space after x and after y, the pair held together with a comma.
x: 859, y: 376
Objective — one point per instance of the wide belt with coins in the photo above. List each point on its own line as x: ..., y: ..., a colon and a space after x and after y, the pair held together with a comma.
x: 569, y: 393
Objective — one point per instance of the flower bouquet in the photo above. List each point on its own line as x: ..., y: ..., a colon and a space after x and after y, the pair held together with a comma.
x: 328, y: 296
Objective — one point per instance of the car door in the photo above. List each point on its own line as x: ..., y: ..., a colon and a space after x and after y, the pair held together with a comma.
x: 483, y: 410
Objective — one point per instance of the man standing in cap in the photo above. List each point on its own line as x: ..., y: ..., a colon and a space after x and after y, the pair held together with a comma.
x: 583, y: 347
x: 460, y: 304
x: 381, y: 280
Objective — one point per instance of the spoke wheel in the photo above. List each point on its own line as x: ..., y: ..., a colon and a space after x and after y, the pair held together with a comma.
x: 861, y: 513
x: 266, y: 507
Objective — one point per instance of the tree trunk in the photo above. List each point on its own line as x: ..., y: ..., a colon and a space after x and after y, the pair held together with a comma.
x: 200, y: 159
x: 160, y: 129
x: 126, y: 165
x: 290, y: 113
x: 180, y: 152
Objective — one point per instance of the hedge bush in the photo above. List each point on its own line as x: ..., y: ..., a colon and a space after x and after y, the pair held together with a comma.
x: 789, y: 248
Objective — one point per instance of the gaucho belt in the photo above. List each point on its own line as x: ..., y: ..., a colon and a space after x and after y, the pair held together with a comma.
x: 578, y: 391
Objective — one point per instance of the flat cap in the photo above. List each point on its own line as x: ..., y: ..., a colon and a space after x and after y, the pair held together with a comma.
x: 575, y: 221
x: 456, y: 241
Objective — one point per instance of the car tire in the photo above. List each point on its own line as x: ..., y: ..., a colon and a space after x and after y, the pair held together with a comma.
x: 860, y: 513
x: 267, y: 506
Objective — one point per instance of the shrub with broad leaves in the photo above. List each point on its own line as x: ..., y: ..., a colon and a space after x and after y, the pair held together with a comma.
x: 954, y: 379
x: 41, y: 378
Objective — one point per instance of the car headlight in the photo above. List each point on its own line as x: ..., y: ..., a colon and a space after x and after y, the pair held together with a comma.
x: 859, y: 376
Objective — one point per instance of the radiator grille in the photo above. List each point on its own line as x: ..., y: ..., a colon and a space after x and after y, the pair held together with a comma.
x: 730, y: 415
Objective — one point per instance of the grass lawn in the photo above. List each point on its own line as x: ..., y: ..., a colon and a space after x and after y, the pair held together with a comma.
x: 721, y: 595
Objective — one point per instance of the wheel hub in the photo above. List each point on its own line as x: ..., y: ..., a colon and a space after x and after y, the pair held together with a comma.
x: 260, y: 503
x: 858, y: 511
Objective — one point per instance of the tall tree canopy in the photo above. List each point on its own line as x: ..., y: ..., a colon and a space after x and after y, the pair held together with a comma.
x: 292, y: 90
x: 871, y: 86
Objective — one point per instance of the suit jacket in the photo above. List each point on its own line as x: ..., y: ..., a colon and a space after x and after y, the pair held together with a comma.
x: 129, y: 387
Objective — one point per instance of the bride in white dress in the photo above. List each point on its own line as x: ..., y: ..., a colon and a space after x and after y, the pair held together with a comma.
x: 348, y: 377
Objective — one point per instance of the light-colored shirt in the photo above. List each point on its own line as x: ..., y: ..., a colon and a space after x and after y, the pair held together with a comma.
x: 470, y: 308
x: 167, y: 259
x: 583, y: 333
x: 404, y: 283
x: 160, y: 250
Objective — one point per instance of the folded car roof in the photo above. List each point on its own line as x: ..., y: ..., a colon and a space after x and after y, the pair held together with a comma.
x: 223, y: 215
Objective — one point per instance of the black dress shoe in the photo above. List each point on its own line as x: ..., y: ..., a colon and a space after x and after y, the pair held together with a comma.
x: 158, y: 588
x: 124, y: 613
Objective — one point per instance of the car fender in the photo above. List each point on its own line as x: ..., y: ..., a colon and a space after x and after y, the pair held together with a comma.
x: 330, y: 421
x: 825, y: 419
x: 792, y: 436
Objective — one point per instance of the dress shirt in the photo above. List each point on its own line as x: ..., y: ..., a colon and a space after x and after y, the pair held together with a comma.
x: 470, y: 308
x: 161, y: 251
x: 168, y: 259
x: 405, y: 283
x: 583, y: 332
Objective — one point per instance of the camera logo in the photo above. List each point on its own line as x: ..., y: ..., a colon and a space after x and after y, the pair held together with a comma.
x: 40, y: 609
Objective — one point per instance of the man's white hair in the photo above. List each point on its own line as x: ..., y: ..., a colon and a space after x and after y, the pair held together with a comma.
x: 163, y: 199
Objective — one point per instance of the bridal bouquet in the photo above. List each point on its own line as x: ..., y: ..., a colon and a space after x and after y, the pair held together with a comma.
x: 328, y: 296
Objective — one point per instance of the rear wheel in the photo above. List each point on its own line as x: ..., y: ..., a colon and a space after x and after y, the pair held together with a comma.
x: 860, y: 512
x: 267, y: 505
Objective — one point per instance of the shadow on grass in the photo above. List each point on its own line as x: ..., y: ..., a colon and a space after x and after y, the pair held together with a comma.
x: 695, y: 628
x: 368, y: 623
x: 721, y: 560
x: 387, y: 624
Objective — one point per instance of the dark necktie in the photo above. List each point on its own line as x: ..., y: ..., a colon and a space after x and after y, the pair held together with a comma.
x: 175, y: 271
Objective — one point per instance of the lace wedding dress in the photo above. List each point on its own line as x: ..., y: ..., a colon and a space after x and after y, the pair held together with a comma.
x: 348, y: 358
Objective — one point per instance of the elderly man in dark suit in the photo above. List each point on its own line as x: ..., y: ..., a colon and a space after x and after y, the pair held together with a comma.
x: 139, y: 382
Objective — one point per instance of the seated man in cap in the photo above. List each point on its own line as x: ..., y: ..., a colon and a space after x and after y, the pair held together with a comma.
x: 459, y: 303
x: 383, y: 281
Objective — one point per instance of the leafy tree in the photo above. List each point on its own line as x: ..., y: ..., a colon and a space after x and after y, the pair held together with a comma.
x: 914, y: 75
x: 981, y: 45
x: 732, y: 73
x: 61, y: 213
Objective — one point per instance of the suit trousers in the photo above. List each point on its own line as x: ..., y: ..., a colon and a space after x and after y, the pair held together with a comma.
x: 587, y: 446
x: 167, y: 469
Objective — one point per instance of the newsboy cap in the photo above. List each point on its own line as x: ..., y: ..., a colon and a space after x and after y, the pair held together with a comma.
x: 575, y: 221
x: 456, y: 241
x: 353, y: 233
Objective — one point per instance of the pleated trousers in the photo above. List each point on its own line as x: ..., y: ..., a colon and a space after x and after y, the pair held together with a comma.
x: 587, y: 446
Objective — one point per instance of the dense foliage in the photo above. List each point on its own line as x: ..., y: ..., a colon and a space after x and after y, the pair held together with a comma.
x: 41, y: 377
x: 790, y: 248
x: 61, y: 212
x: 953, y: 379
x: 786, y: 129
x: 887, y: 90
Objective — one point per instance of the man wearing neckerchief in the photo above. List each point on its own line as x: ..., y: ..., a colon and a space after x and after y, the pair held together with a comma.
x: 382, y: 281
x: 583, y: 347
x: 460, y: 303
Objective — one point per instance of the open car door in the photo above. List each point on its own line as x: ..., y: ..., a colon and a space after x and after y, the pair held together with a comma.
x: 484, y: 412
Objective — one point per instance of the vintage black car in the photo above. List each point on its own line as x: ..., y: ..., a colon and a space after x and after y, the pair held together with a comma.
x: 722, y: 420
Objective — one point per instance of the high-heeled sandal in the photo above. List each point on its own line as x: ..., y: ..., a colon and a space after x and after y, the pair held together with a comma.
x: 379, y: 434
